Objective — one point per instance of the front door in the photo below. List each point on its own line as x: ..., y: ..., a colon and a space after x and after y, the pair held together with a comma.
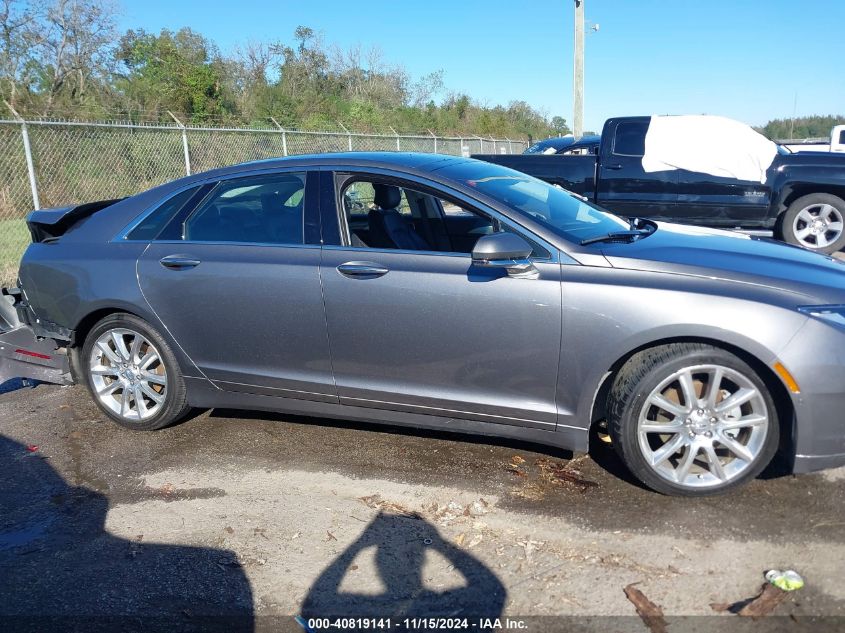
x: 624, y: 187
x: 239, y: 288
x: 415, y: 326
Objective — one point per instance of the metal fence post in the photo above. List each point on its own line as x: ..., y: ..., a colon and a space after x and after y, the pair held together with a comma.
x: 348, y: 134
x: 435, y: 140
x: 396, y: 134
x: 284, y: 136
x: 510, y: 145
x: 27, y: 150
x: 184, y: 143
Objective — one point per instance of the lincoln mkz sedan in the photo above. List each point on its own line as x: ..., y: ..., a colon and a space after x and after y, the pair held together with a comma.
x: 443, y: 293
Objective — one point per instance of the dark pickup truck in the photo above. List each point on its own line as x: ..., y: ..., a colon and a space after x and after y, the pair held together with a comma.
x: 800, y: 197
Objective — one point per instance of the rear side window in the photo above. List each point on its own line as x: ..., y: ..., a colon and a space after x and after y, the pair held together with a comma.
x: 629, y: 139
x: 258, y: 210
x: 842, y: 137
x: 152, y: 225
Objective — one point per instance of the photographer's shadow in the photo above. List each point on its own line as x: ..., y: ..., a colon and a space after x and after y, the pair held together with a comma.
x: 401, y: 545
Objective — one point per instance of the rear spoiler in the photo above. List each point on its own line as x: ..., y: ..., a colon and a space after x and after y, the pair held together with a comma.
x: 48, y: 224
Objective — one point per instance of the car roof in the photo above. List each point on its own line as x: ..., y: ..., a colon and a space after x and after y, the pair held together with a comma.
x: 411, y: 161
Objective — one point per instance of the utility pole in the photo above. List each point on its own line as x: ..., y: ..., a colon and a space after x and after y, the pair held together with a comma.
x: 578, y: 72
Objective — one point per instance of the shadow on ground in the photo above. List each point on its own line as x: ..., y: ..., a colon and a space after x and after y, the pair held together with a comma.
x: 401, y: 544
x: 60, y: 569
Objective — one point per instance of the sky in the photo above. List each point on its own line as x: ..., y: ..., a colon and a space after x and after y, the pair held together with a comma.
x: 752, y: 60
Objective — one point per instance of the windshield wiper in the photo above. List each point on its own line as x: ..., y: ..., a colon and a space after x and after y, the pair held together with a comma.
x: 617, y: 235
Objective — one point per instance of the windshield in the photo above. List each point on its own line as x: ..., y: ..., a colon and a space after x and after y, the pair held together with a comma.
x: 565, y: 214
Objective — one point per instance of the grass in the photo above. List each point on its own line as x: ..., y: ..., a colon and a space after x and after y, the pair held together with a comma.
x: 14, y: 237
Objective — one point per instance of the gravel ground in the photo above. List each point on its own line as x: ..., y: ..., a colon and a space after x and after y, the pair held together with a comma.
x: 256, y: 515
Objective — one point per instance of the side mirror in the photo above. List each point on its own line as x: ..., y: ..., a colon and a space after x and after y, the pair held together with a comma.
x: 505, y: 250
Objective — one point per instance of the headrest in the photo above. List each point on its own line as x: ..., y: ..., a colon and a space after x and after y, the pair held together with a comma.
x: 387, y: 196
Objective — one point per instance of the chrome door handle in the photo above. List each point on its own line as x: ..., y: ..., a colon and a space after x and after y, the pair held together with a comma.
x: 362, y: 269
x: 178, y: 262
x: 614, y: 166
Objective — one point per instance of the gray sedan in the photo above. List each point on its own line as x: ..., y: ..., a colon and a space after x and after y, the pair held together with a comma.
x: 445, y: 293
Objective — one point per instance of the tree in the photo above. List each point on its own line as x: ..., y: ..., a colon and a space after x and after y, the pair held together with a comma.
x: 178, y: 71
x: 559, y: 126
x: 816, y: 126
x: 75, y: 49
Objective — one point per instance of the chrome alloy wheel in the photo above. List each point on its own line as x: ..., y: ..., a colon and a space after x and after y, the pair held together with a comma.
x: 703, y: 426
x: 128, y: 374
x: 818, y: 225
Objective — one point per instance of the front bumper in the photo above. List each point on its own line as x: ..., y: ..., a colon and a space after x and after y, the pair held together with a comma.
x: 816, y: 359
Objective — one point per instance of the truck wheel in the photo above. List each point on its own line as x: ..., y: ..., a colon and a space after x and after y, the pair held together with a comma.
x: 691, y: 420
x: 132, y: 374
x: 816, y: 222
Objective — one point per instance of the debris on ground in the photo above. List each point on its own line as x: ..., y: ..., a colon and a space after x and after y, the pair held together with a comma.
x: 789, y: 580
x: 447, y: 513
x: 229, y: 529
x: 773, y: 592
x: 530, y: 547
x: 475, y: 540
x: 377, y: 503
x: 758, y: 606
x: 517, y: 466
x: 651, y: 614
x: 330, y: 536
x: 560, y: 473
x: 31, y: 448
x: 477, y: 508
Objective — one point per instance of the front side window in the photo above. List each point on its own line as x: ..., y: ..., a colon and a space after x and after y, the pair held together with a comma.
x: 389, y: 216
x: 264, y: 209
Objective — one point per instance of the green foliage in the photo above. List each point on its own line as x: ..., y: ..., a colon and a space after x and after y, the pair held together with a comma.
x: 172, y: 71
x: 63, y: 58
x: 817, y: 126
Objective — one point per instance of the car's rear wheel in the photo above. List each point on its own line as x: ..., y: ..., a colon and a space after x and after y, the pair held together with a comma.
x: 816, y: 222
x: 693, y: 420
x: 132, y: 374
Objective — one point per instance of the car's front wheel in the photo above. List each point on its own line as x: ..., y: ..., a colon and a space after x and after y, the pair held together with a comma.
x: 691, y: 419
x: 132, y: 374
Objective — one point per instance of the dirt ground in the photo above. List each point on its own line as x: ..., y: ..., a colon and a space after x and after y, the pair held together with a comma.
x: 260, y: 515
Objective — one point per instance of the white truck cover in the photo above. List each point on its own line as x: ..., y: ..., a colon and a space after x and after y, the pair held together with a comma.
x: 707, y: 144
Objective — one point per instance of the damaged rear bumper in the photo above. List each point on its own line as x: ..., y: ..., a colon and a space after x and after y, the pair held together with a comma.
x: 23, y: 354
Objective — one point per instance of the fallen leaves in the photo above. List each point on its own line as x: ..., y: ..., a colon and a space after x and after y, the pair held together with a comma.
x: 550, y: 474
x: 377, y: 503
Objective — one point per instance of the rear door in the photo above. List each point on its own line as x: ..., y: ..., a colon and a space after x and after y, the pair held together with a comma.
x: 623, y: 185
x: 235, y: 280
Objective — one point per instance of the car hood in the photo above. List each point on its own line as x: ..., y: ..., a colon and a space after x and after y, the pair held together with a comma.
x: 732, y: 256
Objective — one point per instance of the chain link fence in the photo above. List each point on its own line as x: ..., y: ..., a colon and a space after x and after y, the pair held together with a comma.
x: 53, y: 163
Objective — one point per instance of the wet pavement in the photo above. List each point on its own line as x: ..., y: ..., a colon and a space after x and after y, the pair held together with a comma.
x: 264, y: 514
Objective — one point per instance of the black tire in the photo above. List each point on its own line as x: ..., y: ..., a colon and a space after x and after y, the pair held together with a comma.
x: 175, y: 402
x: 786, y: 225
x: 641, y: 375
